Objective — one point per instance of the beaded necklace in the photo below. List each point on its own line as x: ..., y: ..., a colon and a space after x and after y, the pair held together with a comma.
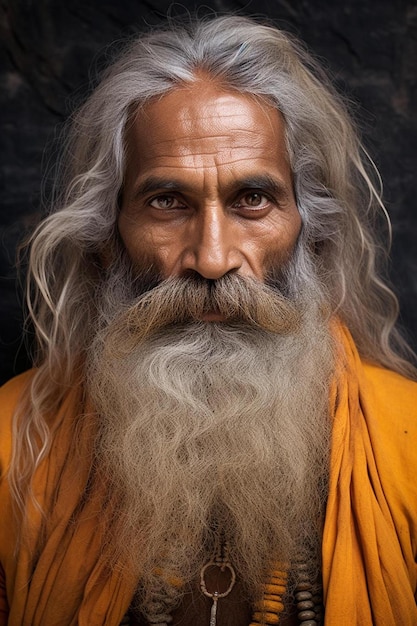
x: 266, y: 611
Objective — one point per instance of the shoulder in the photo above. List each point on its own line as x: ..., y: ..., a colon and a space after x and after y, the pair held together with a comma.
x: 392, y: 396
x: 11, y: 391
x: 388, y: 380
x: 389, y: 404
x: 10, y: 394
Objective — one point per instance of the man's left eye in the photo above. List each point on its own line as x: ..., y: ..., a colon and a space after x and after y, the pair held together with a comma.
x: 252, y: 200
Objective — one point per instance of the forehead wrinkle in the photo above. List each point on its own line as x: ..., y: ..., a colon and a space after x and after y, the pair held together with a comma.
x: 219, y: 153
x: 238, y: 139
x: 193, y: 163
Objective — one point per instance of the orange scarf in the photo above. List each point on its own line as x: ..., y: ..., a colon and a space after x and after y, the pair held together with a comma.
x: 370, y: 534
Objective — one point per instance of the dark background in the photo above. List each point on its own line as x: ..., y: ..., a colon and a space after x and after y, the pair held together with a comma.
x: 48, y: 50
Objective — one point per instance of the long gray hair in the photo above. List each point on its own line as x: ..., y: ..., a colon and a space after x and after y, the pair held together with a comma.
x: 336, y: 198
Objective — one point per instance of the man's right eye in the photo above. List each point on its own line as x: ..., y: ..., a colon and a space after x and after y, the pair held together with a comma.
x: 166, y: 202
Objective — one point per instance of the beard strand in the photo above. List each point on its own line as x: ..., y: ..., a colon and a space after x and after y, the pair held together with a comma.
x: 213, y: 427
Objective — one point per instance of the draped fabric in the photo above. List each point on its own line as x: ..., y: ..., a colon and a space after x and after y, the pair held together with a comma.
x: 58, y: 577
x: 370, y: 533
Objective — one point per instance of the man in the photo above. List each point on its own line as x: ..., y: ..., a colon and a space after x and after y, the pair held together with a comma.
x: 222, y: 418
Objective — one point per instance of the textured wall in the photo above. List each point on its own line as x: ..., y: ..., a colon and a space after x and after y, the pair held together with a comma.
x: 50, y: 46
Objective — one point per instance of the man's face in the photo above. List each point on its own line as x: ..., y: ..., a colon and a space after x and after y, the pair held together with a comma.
x: 208, y: 186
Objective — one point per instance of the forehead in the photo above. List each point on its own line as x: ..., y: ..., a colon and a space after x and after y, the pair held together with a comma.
x: 194, y: 124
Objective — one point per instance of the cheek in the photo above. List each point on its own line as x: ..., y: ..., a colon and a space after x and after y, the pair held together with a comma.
x: 146, y: 249
x: 280, y: 239
x: 140, y: 251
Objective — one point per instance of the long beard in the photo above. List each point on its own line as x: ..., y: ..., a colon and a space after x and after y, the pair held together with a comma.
x: 209, y: 428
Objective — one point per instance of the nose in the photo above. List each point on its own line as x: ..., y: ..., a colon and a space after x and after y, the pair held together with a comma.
x: 212, y: 250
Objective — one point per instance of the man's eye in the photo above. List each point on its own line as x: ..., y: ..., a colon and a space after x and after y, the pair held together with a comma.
x: 166, y: 202
x: 252, y: 200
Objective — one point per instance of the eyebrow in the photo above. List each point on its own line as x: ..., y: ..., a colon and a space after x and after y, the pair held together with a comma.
x: 264, y: 182
x: 154, y: 183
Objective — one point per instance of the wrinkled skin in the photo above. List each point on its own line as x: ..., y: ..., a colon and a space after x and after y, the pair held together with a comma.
x: 208, y: 185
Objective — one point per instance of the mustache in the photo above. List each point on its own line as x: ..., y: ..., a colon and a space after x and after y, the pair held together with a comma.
x: 182, y: 300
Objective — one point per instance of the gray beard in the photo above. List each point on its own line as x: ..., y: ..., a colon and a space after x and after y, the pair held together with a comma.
x: 209, y: 428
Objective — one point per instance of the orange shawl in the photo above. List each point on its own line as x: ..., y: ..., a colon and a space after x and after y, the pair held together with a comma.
x: 370, y: 534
